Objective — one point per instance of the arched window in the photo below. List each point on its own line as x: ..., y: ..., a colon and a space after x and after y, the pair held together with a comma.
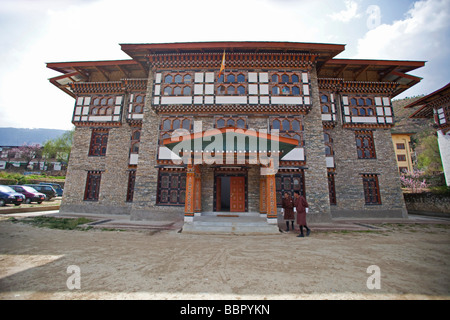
x: 296, y: 91
x: 353, y: 102
x: 286, y: 90
x: 168, y: 79
x: 177, y: 91
x: 186, y: 124
x: 354, y: 112
x: 139, y: 99
x: 109, y: 111
x: 167, y: 91
x: 176, y: 124
x: 135, y: 147
x: 368, y: 102
x: 230, y: 90
x: 324, y: 98
x: 241, y: 123
x: 286, y: 125
x: 325, y: 109
x: 275, y: 78
x: 241, y: 90
x: 360, y: 101
x: 362, y: 112
x: 166, y: 124
x: 294, y: 78
x: 103, y: 102
x: 230, y: 78
x: 221, y: 90
x: 230, y: 123
x: 178, y: 79
x: 220, y: 123
x: 295, y: 125
x: 241, y: 78
x: 276, y: 124
x: 138, y: 109
x: 220, y: 78
x: 110, y: 102
x: 284, y: 78
x: 96, y: 101
x: 94, y: 111
x: 187, y: 78
x: 275, y: 90
x: 327, y: 150
x: 187, y: 91
x: 370, y: 112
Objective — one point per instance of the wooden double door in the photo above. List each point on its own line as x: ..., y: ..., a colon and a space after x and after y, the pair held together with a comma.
x: 230, y: 193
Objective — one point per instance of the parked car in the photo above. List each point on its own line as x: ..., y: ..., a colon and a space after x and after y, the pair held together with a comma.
x: 31, y: 195
x: 56, y: 186
x: 9, y: 195
x: 47, y: 190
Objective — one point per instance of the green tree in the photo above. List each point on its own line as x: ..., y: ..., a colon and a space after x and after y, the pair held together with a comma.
x: 430, y: 158
x: 59, y: 148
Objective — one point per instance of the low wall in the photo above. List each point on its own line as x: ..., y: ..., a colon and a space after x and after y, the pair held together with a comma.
x: 427, y: 203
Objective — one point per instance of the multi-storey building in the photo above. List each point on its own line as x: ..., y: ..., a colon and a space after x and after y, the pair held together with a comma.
x: 167, y: 133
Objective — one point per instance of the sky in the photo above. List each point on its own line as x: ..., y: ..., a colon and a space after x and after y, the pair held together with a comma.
x: 34, y: 32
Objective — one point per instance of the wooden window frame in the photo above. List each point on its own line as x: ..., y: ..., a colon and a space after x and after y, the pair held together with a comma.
x: 170, y: 188
x: 280, y: 184
x: 182, y: 85
x: 227, y: 118
x: 371, y: 189
x: 331, y: 188
x: 361, y: 135
x: 130, y: 185
x: 92, y: 187
x: 163, y: 131
x: 291, y: 132
x: 98, y: 149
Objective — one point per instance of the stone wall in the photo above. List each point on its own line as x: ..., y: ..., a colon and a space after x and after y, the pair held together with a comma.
x: 349, y: 183
x: 423, y: 203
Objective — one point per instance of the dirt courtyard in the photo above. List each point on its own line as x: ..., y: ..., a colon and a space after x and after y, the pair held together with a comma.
x: 413, y: 260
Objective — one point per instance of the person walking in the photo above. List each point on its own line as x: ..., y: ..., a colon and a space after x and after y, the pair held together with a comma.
x: 301, y: 207
x: 287, y: 203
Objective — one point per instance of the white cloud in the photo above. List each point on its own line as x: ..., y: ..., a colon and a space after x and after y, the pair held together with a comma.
x: 422, y: 35
x: 350, y: 12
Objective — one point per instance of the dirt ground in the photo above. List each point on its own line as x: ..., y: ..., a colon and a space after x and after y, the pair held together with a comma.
x: 413, y: 261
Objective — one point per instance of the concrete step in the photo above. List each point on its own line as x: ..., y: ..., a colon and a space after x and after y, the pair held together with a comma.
x: 213, y: 224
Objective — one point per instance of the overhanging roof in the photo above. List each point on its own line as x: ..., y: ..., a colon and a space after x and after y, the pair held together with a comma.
x: 239, y: 140
x: 326, y: 51
x: 426, y: 111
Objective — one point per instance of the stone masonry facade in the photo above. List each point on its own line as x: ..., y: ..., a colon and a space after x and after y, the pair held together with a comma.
x: 344, y: 163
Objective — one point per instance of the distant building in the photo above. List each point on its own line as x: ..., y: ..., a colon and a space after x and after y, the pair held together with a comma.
x: 437, y: 105
x: 281, y: 117
x: 403, y: 151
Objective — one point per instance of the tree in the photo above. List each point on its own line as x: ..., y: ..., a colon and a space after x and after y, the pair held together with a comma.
x: 59, y: 148
x: 28, y: 152
x: 429, y: 158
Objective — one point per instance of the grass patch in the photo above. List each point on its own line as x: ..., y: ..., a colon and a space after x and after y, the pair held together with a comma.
x: 56, y: 223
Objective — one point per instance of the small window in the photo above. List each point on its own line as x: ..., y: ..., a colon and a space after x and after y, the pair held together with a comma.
x: 368, y: 102
x: 325, y: 109
x: 168, y: 79
x: 276, y: 124
x: 221, y: 90
x: 139, y: 99
x: 286, y: 125
x: 295, y: 79
x: 178, y: 79
x: 354, y: 112
x: 176, y: 124
x: 167, y: 124
x: 324, y: 98
x: 275, y: 90
x: 187, y: 91
x: 220, y: 123
x: 296, y: 91
x: 275, y: 78
x: 187, y: 78
x: 186, y: 124
x: 284, y: 78
x: 230, y: 78
x: 241, y: 78
x: 230, y: 123
x: 295, y: 125
x: 167, y: 91
x: 177, y: 91
x: 230, y: 90
x: 241, y: 90
x: 353, y: 102
x: 241, y: 124
x: 361, y: 102
x: 286, y: 90
x: 362, y: 112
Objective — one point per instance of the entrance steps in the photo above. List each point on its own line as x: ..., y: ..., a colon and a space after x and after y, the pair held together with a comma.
x: 230, y: 223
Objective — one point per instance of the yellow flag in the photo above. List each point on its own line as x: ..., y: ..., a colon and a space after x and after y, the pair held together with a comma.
x: 222, y: 66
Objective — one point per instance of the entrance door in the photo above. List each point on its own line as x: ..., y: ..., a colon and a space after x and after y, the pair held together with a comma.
x: 237, y: 194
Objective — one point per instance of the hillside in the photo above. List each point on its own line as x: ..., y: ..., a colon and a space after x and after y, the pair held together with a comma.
x: 20, y: 136
x: 403, y: 123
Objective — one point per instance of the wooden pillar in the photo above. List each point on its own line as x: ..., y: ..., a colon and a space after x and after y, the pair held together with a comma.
x: 197, y: 189
x: 190, y: 194
x: 262, y: 195
x: 271, y: 197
